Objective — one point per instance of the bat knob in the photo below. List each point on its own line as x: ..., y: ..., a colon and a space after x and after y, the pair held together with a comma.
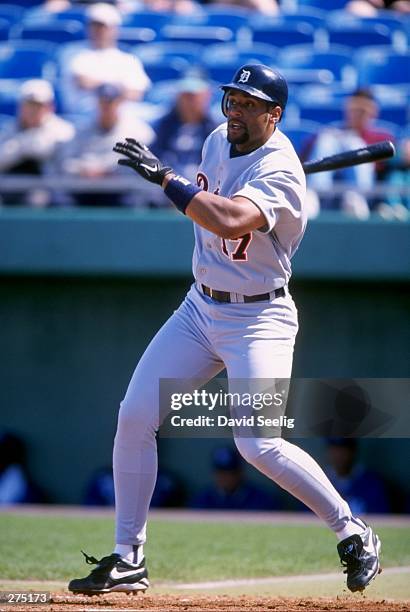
x: 391, y: 148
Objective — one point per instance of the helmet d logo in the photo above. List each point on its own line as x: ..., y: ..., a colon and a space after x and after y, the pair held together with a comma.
x: 244, y: 76
x: 259, y: 81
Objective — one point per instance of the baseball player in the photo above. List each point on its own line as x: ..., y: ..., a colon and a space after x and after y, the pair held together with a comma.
x: 249, y: 218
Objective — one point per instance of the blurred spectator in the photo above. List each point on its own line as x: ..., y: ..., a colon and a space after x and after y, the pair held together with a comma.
x: 101, y: 62
x: 171, y: 6
x: 55, y: 6
x: 268, y: 7
x: 168, y: 492
x: 16, y: 486
x: 230, y: 489
x: 396, y: 205
x: 90, y: 154
x: 363, y: 489
x: 100, y: 489
x: 358, y: 130
x: 369, y: 8
x: 181, y: 132
x: 30, y: 140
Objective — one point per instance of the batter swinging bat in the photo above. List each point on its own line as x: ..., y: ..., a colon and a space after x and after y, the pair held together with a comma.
x: 371, y: 153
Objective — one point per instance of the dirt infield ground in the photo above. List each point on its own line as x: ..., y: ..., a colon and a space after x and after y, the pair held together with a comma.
x: 217, y: 603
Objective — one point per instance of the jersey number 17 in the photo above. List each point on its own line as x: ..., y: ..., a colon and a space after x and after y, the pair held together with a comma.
x: 240, y: 253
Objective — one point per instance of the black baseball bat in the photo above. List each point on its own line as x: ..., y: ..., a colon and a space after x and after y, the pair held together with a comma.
x: 371, y: 153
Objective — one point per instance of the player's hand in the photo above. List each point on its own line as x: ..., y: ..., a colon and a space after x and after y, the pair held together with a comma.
x: 142, y: 160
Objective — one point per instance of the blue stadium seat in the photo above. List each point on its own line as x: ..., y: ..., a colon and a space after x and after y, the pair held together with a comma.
x: 321, y: 111
x: 394, y: 104
x: 305, y: 14
x: 163, y: 72
x: 235, y: 19
x: 391, y: 19
x: 38, y: 14
x: 78, y: 14
x: 228, y: 11
x: 223, y: 16
x: 359, y: 34
x: 23, y: 59
x: 307, y: 76
x: 222, y: 61
x: 160, y: 52
x: 337, y: 60
x: 325, y: 5
x: 12, y: 13
x: 260, y: 53
x: 382, y: 66
x: 162, y: 93
x: 204, y: 35
x: 9, y: 99
x: 283, y: 34
x: 52, y: 31
x: 27, y: 3
x: 322, y: 93
x: 4, y: 29
x: 407, y: 34
x: 301, y: 135
x: 147, y: 19
x: 395, y: 113
x: 4, y: 119
x: 217, y: 16
x: 392, y: 101
x: 395, y: 25
x: 135, y: 36
x: 222, y: 73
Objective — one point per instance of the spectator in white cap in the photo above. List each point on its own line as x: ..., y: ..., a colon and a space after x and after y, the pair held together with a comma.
x: 100, y: 62
x: 31, y: 139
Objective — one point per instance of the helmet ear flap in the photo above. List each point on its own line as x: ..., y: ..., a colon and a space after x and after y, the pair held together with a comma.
x: 224, y: 104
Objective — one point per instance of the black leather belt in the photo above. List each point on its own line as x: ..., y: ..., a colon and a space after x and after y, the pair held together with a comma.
x: 225, y: 296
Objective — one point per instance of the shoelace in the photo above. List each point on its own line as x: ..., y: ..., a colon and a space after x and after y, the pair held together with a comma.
x: 101, y: 564
x: 350, y: 559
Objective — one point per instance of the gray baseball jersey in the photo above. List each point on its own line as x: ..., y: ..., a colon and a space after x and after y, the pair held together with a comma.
x: 272, y: 177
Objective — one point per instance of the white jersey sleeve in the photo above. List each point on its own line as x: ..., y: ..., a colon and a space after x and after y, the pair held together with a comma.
x: 279, y: 194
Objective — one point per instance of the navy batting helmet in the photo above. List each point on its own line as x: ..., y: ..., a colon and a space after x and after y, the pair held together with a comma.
x: 261, y: 82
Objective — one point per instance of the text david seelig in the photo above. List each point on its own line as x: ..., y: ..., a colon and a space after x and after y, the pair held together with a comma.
x: 223, y: 421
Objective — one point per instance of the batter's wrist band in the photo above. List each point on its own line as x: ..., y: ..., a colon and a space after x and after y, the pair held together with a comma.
x: 180, y: 192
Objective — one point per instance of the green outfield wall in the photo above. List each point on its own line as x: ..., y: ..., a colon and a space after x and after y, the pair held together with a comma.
x: 132, y: 243
x: 82, y: 292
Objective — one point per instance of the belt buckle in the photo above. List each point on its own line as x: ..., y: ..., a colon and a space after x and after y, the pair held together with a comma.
x: 211, y: 293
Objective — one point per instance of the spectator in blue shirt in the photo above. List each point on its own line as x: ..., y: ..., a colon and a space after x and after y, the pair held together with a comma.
x: 16, y: 484
x: 230, y: 489
x: 363, y: 489
x: 181, y: 132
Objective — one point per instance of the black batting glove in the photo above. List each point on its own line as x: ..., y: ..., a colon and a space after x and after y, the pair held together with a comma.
x: 142, y: 160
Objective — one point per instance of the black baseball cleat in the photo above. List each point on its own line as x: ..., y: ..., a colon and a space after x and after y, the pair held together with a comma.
x: 112, y: 574
x: 359, y: 554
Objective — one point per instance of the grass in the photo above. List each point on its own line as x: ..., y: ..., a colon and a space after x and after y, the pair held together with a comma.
x: 48, y: 548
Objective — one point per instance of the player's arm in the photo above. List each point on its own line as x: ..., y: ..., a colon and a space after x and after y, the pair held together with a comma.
x: 228, y: 218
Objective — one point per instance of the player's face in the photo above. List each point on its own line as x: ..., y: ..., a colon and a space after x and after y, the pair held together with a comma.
x: 251, y: 121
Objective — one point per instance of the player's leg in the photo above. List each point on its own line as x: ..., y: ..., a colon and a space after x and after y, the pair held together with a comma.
x: 265, y: 351
x: 179, y: 350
